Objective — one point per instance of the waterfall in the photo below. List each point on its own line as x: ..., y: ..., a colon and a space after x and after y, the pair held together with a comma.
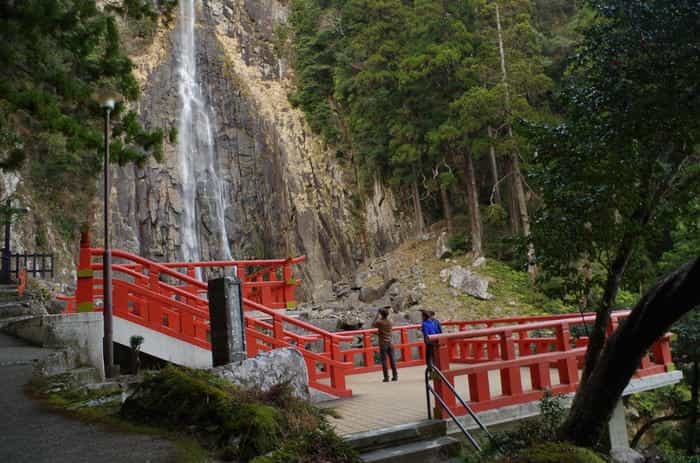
x: 196, y: 155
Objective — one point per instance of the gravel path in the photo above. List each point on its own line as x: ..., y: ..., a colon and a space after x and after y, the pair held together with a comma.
x: 28, y: 433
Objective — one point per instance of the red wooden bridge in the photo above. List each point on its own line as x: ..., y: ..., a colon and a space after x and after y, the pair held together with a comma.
x: 524, y: 356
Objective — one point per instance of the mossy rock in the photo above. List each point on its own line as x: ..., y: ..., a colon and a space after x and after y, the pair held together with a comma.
x: 555, y: 452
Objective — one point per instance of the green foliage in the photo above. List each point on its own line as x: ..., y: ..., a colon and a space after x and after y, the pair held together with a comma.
x: 55, y: 55
x: 459, y: 243
x: 618, y: 169
x: 555, y: 452
x: 528, y: 438
x: 241, y: 424
x: 685, y: 234
x: 318, y: 445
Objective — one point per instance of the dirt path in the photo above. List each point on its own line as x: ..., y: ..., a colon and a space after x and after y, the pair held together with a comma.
x: 28, y: 433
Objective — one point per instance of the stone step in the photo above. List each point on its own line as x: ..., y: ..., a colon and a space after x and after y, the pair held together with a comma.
x: 396, y: 435
x: 437, y: 450
x: 11, y: 309
x: 85, y: 375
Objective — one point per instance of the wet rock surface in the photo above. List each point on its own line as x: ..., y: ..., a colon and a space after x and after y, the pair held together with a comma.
x: 284, y: 192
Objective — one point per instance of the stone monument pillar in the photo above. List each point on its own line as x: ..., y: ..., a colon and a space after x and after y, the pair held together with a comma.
x: 226, y: 321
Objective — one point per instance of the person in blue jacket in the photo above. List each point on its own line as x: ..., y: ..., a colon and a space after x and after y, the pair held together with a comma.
x: 429, y: 326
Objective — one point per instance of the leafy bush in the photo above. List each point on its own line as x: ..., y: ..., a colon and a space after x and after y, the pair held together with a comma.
x: 239, y: 424
x: 529, y: 433
x: 554, y: 452
x: 459, y: 243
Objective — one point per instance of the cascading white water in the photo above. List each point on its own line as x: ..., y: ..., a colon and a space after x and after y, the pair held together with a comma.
x: 198, y: 168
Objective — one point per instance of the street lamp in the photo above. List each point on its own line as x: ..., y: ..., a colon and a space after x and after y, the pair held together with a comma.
x: 107, y: 100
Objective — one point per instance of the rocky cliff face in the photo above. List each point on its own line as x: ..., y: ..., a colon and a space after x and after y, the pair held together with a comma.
x: 285, y: 194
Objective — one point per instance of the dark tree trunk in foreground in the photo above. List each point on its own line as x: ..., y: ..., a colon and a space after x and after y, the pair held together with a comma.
x: 651, y: 318
x: 612, y: 286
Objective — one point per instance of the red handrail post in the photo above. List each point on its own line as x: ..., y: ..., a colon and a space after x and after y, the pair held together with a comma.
x: 368, y: 352
x: 84, y: 296
x: 442, y: 363
x: 568, y: 368
x: 661, y: 351
x: 337, y: 373
x: 277, y: 329
x: 289, y: 285
x: 511, y: 383
x: 405, y: 348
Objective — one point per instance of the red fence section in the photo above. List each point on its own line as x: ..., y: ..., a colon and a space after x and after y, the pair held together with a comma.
x: 164, y: 298
x: 544, y: 353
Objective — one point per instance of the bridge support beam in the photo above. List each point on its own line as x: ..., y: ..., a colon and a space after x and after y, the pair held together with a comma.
x: 226, y: 321
x: 617, y: 428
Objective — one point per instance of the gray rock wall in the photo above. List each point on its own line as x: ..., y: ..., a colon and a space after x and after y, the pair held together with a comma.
x: 285, y: 195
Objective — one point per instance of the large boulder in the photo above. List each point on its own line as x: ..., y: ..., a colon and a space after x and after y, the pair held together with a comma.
x: 369, y: 295
x: 463, y: 279
x: 269, y: 369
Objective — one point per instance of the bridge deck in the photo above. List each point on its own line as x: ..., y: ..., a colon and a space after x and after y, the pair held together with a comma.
x: 376, y: 405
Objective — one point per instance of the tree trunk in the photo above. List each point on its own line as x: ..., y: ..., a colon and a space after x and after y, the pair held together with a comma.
x: 647, y: 426
x: 495, y: 190
x: 502, y: 54
x: 517, y: 180
x: 417, y: 210
x: 473, y: 205
x: 513, y: 209
x: 612, y: 286
x: 693, y: 419
x: 650, y: 319
x: 447, y: 209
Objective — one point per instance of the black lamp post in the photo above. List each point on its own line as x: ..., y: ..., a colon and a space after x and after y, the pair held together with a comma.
x: 107, y: 100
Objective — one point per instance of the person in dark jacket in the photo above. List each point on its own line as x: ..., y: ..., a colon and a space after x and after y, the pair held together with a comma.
x: 386, y: 349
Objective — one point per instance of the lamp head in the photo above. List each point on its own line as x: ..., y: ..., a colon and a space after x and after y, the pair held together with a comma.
x: 106, y: 97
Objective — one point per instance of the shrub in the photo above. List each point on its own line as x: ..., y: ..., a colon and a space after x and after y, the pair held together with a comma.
x: 237, y: 423
x: 555, y: 452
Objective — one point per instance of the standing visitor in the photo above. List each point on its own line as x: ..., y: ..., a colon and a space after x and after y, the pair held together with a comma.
x: 383, y: 325
x: 429, y: 327
x: 438, y: 326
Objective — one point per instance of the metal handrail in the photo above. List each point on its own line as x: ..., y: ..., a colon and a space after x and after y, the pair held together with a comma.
x: 430, y: 368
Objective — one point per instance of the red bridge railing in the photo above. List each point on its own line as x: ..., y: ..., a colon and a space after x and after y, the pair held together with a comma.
x: 163, y: 298
x: 544, y: 352
x: 168, y: 298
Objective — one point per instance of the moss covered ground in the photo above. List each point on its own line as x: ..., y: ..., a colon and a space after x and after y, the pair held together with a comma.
x: 206, y: 417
